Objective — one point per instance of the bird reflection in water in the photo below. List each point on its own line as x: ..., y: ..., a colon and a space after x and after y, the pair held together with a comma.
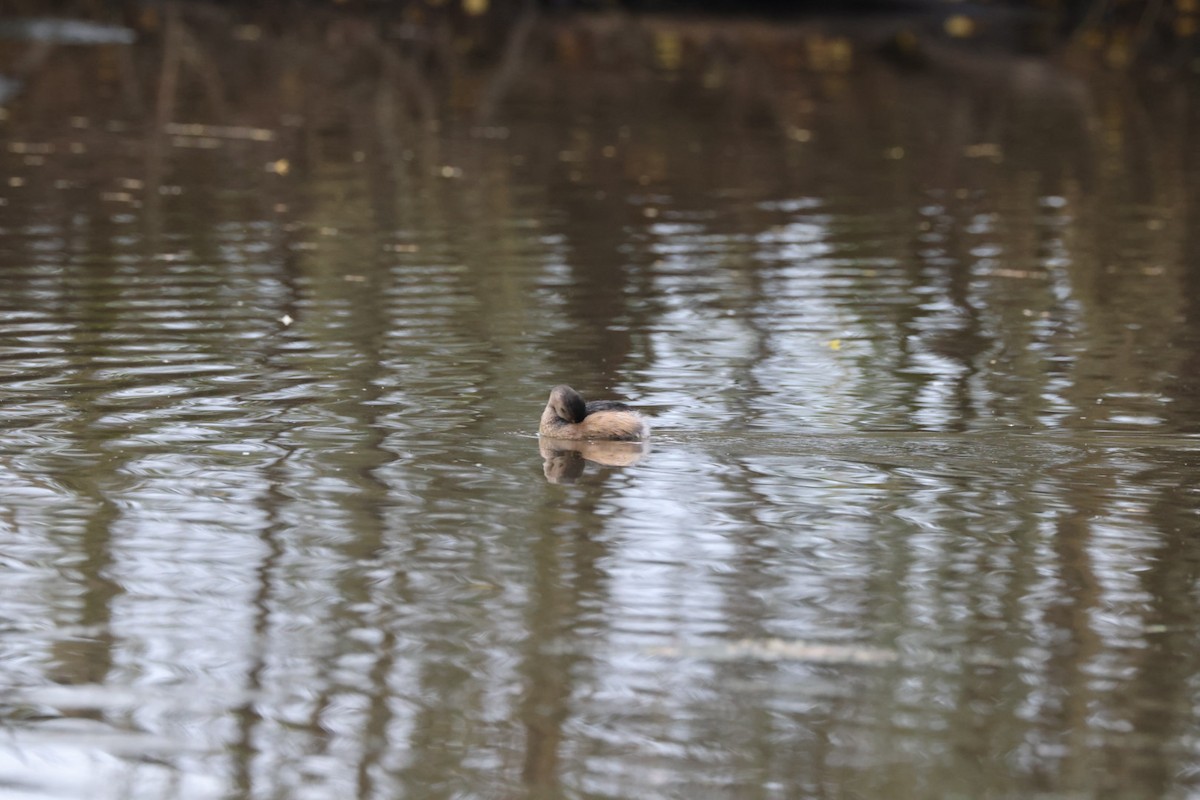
x: 564, y: 459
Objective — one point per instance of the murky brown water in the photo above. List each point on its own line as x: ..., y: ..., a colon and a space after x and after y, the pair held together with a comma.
x: 919, y: 517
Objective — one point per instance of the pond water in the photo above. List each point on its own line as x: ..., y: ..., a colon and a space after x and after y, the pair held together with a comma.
x: 920, y: 348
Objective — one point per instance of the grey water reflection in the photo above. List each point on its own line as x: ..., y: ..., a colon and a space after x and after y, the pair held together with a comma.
x: 917, y: 517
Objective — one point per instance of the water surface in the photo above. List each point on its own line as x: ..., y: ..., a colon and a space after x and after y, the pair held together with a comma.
x: 919, y: 348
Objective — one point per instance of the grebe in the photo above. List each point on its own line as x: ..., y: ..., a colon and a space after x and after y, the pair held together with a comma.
x: 567, y: 416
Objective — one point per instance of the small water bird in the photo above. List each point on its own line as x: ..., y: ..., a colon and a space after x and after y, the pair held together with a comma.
x: 568, y: 416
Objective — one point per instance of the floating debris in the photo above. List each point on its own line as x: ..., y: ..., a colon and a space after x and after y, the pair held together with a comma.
x: 65, y: 31
x: 117, y: 197
x: 247, y: 33
x: 197, y: 142
x: 983, y: 150
x: 31, y: 148
x: 219, y: 131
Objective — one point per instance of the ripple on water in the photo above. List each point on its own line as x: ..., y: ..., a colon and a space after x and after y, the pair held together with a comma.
x: 916, y: 490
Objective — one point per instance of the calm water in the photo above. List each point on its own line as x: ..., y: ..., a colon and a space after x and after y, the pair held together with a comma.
x: 920, y: 513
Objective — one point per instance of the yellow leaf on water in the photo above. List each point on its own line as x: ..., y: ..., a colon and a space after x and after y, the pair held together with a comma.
x: 959, y: 27
x: 668, y: 47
